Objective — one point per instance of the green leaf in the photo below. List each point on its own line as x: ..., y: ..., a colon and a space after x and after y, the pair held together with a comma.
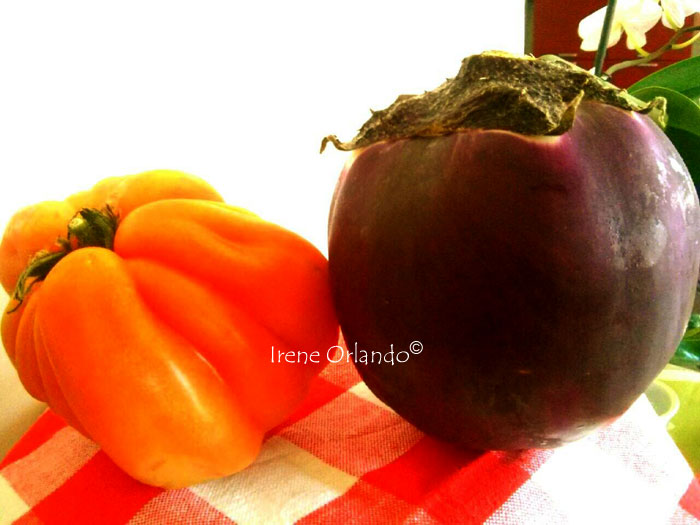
x: 688, y: 145
x: 683, y: 113
x: 683, y: 76
x: 687, y: 355
x: 688, y: 352
x: 693, y: 94
x: 683, y: 128
x: 692, y: 335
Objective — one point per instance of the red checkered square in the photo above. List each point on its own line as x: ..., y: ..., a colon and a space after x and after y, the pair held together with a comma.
x: 476, y: 491
x: 54, y: 462
x: 99, y: 492
x: 420, y: 470
x: 30, y: 518
x: 320, y: 393
x: 179, y: 507
x: 690, y: 501
x: 366, y: 504
x: 353, y: 435
x: 42, y: 430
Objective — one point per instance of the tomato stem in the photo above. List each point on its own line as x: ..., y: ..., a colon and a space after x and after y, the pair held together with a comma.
x: 88, y: 227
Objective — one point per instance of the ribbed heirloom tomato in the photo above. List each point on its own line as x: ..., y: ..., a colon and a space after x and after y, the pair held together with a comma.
x: 156, y: 343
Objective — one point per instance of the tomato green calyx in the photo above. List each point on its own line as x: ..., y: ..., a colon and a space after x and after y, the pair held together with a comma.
x: 89, y: 227
x: 497, y: 90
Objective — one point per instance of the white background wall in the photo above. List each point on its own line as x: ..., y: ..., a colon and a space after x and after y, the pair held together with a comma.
x: 239, y: 93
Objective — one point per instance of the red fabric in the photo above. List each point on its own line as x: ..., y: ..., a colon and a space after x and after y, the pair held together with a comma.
x: 690, y: 501
x: 41, y: 431
x: 344, y: 457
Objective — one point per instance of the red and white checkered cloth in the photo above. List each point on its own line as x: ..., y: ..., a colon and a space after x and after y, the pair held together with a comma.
x: 344, y: 457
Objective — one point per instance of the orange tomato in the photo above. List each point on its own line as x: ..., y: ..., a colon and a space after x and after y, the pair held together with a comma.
x: 160, y: 348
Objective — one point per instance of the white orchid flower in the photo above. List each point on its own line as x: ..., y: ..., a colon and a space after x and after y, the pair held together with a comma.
x: 676, y: 11
x: 633, y: 17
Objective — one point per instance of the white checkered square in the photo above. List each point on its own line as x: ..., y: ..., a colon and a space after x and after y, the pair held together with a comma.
x: 283, y: 485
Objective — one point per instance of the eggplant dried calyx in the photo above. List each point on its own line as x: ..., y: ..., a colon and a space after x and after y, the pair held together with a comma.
x: 497, y: 90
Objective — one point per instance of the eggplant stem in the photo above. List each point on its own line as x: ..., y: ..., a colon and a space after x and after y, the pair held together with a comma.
x: 335, y: 141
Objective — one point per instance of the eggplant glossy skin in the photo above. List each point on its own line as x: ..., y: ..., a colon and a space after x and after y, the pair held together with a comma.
x: 549, y: 279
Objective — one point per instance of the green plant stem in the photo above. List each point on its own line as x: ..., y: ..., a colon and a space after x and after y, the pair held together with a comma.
x: 604, y: 37
x: 529, y: 26
x: 653, y: 55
